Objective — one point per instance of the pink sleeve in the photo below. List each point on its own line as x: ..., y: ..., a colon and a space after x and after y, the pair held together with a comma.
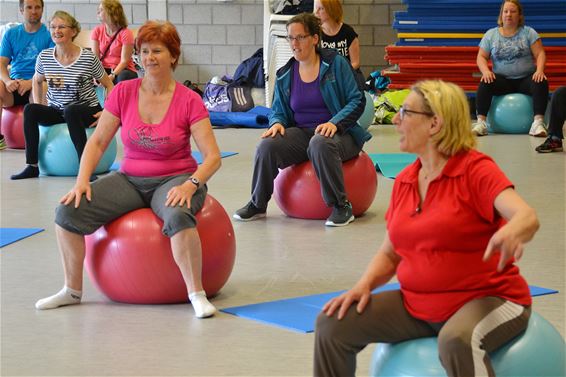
x: 196, y: 111
x: 126, y: 37
x: 94, y: 34
x: 114, y: 100
x: 486, y: 182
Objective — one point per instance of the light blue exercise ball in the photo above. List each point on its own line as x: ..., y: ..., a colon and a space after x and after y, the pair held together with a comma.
x: 511, y: 114
x: 57, y: 154
x: 368, y: 115
x: 539, y: 351
x: 100, y: 94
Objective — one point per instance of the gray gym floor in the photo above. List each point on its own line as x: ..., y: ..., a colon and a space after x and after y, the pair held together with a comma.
x: 277, y: 258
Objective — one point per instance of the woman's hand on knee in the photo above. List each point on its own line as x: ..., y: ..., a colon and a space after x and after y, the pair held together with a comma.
x: 95, y: 116
x: 277, y: 128
x: 180, y: 195
x: 327, y: 129
x: 76, y: 194
x: 539, y: 76
x: 342, y: 303
x: 488, y: 77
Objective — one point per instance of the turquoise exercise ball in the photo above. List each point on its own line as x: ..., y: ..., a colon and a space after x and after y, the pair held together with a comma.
x: 57, y: 154
x: 511, y: 114
x: 100, y: 94
x: 368, y: 115
x: 539, y: 351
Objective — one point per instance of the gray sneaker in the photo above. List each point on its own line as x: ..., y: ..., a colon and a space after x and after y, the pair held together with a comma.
x: 249, y: 212
x: 340, y: 216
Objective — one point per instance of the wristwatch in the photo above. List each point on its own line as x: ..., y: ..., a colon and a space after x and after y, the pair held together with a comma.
x: 195, y: 181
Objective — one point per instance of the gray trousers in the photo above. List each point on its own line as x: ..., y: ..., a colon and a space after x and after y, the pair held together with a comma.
x: 116, y: 194
x: 296, y: 146
x: 464, y: 341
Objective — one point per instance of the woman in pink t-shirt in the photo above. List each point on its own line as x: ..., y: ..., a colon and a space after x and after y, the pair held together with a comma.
x: 113, y: 42
x: 156, y: 117
x: 455, y: 227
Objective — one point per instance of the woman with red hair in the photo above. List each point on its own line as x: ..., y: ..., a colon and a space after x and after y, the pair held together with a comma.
x: 338, y: 35
x: 156, y: 117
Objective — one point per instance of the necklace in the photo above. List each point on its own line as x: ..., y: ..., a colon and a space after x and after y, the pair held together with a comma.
x: 432, y: 173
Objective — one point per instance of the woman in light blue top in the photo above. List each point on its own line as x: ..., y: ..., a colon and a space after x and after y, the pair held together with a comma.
x: 518, y: 60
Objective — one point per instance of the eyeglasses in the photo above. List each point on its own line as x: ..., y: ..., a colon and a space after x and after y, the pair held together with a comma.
x: 59, y: 27
x: 403, y: 112
x: 298, y: 38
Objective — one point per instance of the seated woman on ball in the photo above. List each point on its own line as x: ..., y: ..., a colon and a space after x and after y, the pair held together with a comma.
x: 69, y: 71
x: 316, y: 106
x: 113, y: 42
x: 156, y: 117
x: 518, y: 59
x: 553, y: 142
x: 455, y: 227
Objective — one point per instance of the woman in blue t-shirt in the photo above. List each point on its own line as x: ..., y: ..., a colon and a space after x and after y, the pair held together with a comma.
x: 518, y: 60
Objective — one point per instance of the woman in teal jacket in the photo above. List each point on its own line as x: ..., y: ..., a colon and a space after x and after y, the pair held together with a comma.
x: 316, y: 107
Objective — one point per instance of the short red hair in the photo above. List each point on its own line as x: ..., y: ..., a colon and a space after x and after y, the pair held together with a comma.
x: 163, y: 32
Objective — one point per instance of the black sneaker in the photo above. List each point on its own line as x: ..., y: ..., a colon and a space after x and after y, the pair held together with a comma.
x: 249, y: 212
x: 550, y: 145
x: 340, y: 216
x: 29, y: 172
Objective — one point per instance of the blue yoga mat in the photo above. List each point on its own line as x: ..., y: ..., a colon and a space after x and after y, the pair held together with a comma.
x: 196, y: 155
x: 391, y: 164
x: 11, y: 235
x: 299, y: 314
x: 258, y: 117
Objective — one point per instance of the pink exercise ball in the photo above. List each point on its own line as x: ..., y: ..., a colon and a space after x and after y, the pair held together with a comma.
x: 297, y: 188
x: 130, y: 260
x: 13, y: 126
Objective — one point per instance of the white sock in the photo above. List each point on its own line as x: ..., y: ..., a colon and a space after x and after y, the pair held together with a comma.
x: 203, y: 308
x: 65, y: 296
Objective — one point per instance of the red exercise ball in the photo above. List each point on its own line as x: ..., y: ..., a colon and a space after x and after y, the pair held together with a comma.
x: 297, y: 188
x: 13, y: 126
x: 130, y: 260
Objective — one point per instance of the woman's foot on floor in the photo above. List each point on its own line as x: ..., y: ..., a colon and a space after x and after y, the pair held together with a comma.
x: 29, y: 172
x: 203, y: 308
x: 65, y: 296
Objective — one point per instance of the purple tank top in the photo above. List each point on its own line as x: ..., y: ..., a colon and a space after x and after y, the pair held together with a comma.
x: 307, y: 103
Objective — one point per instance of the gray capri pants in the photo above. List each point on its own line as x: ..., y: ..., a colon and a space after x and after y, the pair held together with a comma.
x: 117, y: 194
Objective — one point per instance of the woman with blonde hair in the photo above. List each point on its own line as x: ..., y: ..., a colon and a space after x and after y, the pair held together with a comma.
x: 455, y: 227
x: 113, y: 42
x: 69, y: 71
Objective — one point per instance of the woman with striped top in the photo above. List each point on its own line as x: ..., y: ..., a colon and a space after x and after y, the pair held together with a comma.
x: 69, y: 71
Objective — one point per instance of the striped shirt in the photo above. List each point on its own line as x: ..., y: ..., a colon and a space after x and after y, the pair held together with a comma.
x: 71, y: 84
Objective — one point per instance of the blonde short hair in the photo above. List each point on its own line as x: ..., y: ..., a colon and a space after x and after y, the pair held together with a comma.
x: 72, y: 21
x: 448, y: 101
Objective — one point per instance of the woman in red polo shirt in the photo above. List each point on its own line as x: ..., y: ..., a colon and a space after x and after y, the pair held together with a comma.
x: 455, y: 227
